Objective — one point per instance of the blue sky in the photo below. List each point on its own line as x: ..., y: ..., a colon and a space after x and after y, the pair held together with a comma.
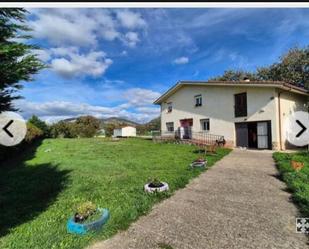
x: 115, y: 62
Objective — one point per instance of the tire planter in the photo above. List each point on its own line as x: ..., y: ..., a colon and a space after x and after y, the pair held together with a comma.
x: 83, y: 228
x: 149, y: 189
x: 198, y: 164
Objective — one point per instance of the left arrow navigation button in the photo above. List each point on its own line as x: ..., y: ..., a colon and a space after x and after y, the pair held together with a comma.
x: 5, y: 128
x: 13, y: 128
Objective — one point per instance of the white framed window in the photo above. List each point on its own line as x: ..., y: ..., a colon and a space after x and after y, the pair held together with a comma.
x: 169, y: 107
x: 205, y: 124
x: 170, y: 126
x: 198, y: 100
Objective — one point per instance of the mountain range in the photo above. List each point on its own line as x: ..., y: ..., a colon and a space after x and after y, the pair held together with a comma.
x: 153, y: 124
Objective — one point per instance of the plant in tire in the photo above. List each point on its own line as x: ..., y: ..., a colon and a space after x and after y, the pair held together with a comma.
x: 84, y: 211
x: 155, y: 183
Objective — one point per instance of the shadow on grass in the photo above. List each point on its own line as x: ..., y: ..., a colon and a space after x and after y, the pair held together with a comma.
x: 27, y: 190
x: 205, y: 152
x: 199, y: 151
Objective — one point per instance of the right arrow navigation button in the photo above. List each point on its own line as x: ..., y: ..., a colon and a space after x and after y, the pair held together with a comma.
x: 302, y: 130
x: 296, y: 128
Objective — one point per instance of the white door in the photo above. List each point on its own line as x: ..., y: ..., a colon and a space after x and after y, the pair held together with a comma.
x: 262, y: 135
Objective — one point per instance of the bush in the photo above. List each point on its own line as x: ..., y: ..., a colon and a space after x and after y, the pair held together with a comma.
x: 63, y: 129
x: 83, y: 127
x: 109, y: 129
x: 40, y: 124
x: 33, y: 133
x: 87, y: 126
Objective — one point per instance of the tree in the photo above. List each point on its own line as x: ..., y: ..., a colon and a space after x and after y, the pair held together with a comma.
x: 152, y: 125
x: 33, y: 133
x: 39, y: 124
x: 109, y: 129
x: 63, y: 129
x: 87, y: 126
x: 235, y: 75
x: 293, y: 67
x: 17, y: 61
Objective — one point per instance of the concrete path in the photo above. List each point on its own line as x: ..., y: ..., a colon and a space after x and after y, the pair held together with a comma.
x: 238, y: 203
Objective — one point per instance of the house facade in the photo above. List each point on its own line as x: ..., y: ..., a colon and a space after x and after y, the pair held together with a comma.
x: 248, y: 114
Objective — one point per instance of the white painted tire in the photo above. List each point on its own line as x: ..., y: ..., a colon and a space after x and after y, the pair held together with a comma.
x: 153, y: 190
x: 198, y: 164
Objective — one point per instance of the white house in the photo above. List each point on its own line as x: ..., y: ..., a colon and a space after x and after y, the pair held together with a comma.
x: 127, y: 131
x: 247, y: 113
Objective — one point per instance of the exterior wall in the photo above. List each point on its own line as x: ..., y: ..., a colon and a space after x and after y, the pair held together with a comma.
x: 290, y: 103
x: 218, y: 106
x: 129, y: 131
x: 117, y: 132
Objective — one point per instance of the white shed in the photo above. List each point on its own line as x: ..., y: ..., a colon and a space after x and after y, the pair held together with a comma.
x: 127, y: 131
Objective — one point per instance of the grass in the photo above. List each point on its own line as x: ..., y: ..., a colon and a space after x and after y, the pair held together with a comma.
x: 297, y: 181
x: 40, y: 189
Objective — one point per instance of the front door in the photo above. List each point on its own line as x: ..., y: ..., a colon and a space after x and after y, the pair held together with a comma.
x: 241, y: 134
x: 186, y: 128
x: 262, y: 135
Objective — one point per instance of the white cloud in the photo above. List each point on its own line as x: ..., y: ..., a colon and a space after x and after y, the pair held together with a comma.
x: 149, y: 110
x: 237, y: 60
x: 68, y: 62
x: 58, y: 110
x: 61, y: 27
x: 84, y: 27
x: 124, y: 53
x: 181, y: 60
x: 43, y: 55
x: 110, y: 34
x: 107, y: 25
x: 130, y: 19
x: 131, y: 39
x: 196, y: 73
x: 140, y: 97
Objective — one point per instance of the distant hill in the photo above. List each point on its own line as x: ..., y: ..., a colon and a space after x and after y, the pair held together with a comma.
x: 111, y: 120
x: 109, y: 124
x: 116, y: 120
x: 152, y: 125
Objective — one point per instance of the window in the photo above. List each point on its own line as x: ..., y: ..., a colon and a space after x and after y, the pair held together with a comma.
x: 205, y: 125
x: 169, y: 107
x: 198, y: 100
x: 240, y: 104
x: 170, y: 126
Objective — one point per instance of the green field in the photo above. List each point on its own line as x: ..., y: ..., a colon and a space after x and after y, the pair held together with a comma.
x: 297, y: 181
x: 40, y: 189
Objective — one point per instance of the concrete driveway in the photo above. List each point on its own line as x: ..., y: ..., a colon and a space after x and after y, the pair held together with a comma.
x: 238, y: 203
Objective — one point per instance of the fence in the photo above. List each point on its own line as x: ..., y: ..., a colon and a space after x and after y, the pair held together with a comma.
x: 192, y: 137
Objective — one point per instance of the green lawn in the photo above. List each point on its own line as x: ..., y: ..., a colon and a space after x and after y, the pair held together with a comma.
x: 297, y: 182
x: 40, y: 189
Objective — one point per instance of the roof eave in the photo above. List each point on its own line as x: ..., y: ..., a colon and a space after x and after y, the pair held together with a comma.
x: 174, y: 88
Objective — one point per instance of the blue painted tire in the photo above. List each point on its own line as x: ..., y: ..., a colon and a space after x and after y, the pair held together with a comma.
x: 79, y: 228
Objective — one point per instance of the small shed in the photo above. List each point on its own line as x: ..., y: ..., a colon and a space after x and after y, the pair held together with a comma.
x: 127, y: 131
